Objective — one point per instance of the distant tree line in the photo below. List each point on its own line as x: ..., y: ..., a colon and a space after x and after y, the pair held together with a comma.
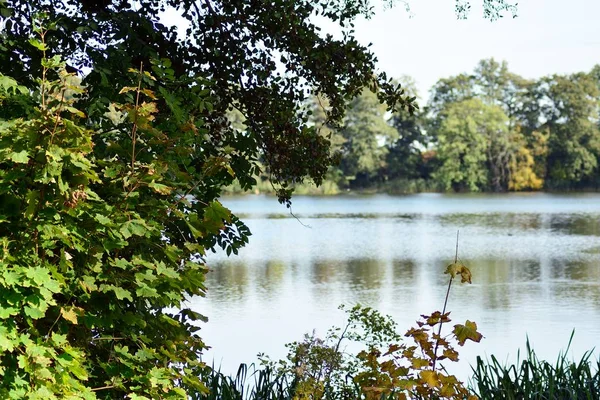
x: 491, y: 130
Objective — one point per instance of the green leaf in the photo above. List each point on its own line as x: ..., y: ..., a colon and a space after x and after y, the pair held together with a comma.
x: 75, y: 111
x: 6, y: 312
x: 5, y: 343
x: 21, y: 157
x: 102, y: 219
x: 38, y: 44
x: 146, y: 291
x: 38, y: 274
x: 133, y: 227
x: 119, y: 292
x: 122, y: 293
x: 34, y: 312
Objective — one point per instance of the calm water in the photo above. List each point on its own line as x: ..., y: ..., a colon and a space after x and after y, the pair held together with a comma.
x: 535, y: 260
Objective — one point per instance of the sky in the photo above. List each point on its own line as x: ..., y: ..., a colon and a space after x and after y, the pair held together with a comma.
x: 547, y: 37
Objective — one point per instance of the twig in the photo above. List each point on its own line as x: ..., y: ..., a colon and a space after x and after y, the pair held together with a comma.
x: 456, y: 254
x: 103, y: 388
x: 437, y: 341
x: 298, y: 219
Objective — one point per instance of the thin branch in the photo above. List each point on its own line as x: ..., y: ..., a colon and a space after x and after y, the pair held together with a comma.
x: 134, y: 129
x: 456, y: 254
x: 103, y: 388
x: 437, y: 341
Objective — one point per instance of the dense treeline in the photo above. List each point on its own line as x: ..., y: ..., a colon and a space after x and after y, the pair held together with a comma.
x: 491, y: 130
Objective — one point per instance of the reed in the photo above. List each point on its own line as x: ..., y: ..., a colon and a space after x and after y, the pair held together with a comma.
x: 533, y: 379
x: 249, y: 383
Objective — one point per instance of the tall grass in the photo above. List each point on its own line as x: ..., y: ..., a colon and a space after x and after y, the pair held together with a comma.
x: 250, y: 383
x: 534, y: 379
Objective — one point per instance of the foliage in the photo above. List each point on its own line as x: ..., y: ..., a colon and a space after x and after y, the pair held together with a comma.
x: 381, y: 366
x: 535, y: 379
x: 464, y: 141
x: 491, y: 130
x: 571, y: 114
x: 364, y: 129
x: 101, y: 241
x: 261, y: 59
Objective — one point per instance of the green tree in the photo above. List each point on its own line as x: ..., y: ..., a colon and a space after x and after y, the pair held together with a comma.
x: 571, y: 111
x: 404, y: 159
x: 515, y: 157
x: 366, y: 133
x: 471, y: 136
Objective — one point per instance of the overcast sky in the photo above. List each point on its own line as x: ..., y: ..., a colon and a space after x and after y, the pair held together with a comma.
x: 548, y: 36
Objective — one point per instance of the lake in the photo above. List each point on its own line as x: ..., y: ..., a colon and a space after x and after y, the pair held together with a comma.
x: 535, y: 260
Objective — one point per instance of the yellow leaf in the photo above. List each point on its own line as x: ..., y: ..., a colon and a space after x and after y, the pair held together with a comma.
x: 465, y: 275
x: 418, y: 363
x: 447, y: 391
x: 465, y: 332
x: 149, y: 93
x: 430, y: 378
x: 149, y: 75
x: 128, y: 89
x: 453, y: 269
x: 69, y: 315
x: 451, y: 354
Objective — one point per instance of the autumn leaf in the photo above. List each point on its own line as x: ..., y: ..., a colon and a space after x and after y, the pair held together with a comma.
x: 450, y: 354
x: 465, y: 332
x: 430, y: 378
x: 465, y: 275
x: 69, y: 315
x: 455, y: 269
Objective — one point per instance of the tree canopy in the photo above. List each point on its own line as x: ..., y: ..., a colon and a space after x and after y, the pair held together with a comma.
x: 116, y: 140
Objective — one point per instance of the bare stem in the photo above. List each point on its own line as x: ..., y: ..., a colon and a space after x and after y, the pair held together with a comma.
x: 437, y: 341
x: 456, y: 254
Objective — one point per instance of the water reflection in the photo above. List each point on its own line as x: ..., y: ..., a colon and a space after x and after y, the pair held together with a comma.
x: 404, y: 272
x: 535, y: 261
x: 500, y: 283
x: 228, y: 281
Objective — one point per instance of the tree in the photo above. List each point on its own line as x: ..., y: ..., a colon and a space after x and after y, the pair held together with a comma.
x: 571, y: 113
x: 404, y: 158
x: 366, y: 131
x: 109, y: 197
x: 471, y: 135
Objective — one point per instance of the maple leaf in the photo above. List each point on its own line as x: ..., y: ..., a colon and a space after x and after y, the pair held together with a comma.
x: 430, y: 378
x: 455, y: 269
x: 465, y: 332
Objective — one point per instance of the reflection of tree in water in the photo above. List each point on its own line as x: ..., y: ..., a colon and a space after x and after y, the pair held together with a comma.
x: 404, y: 273
x: 576, y: 270
x: 504, y: 282
x: 271, y: 275
x: 366, y: 273
x: 227, y: 280
x: 326, y: 271
x: 362, y: 272
x: 501, y: 271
